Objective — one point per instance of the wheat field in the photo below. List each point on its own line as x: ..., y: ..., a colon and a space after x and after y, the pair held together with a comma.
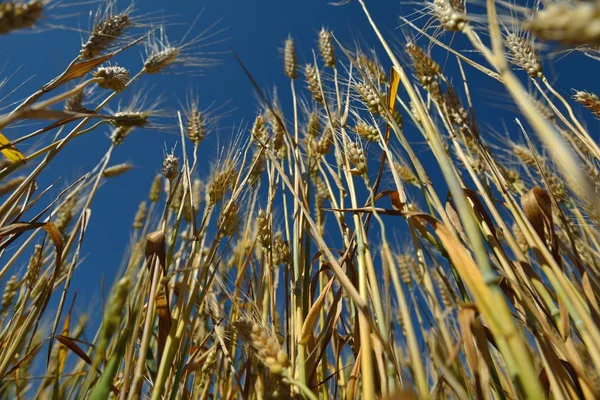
x: 371, y: 234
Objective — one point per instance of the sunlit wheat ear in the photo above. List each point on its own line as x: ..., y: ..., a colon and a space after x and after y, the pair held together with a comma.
x: 278, y: 132
x: 456, y: 111
x: 138, y: 113
x: 372, y: 68
x: 140, y: 216
x: 170, y: 167
x: 19, y: 14
x: 163, y: 55
x: 176, y: 198
x: 155, y: 189
x: 326, y: 48
x: 197, y: 190
x: 112, y: 317
x: 116, y: 170
x: 524, y: 154
x: 10, y: 185
x: 264, y: 345
x: 450, y: 14
x: 428, y: 71
x: 263, y: 231
x: 109, y: 25
x: 589, y: 100
x: 222, y: 180
x: 75, y: 102
x: 34, y: 266
x: 366, y: 131
x: 282, y: 253
x: 406, y: 174
x: 567, y: 22
x: 229, y: 220
x: 540, y: 106
x: 513, y: 179
x: 66, y: 212
x: 201, y: 121
x: 258, y: 165
x: 312, y: 83
x: 370, y: 98
x: 321, y: 195
x: 259, y: 130
x: 523, y: 54
x: 119, y: 134
x: 356, y: 155
x: 10, y: 291
x: 290, y: 63
x: 112, y: 77
x: 313, y: 126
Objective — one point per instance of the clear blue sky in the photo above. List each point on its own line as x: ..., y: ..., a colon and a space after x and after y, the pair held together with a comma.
x: 256, y: 31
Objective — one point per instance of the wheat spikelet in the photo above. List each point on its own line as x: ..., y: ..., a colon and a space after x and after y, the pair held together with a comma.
x: 130, y: 119
x: 264, y: 344
x: 161, y: 59
x: 116, y: 170
x: 263, y: 235
x: 313, y: 127
x: 312, y: 82
x: 229, y: 219
x: 574, y: 23
x: 520, y: 238
x: 405, y: 265
x: 119, y: 134
x: 221, y: 181
x: 155, y: 189
x: 104, y: 34
x: 65, y: 213
x: 259, y: 130
x: 524, y: 154
x: 427, y: 70
x: 35, y: 265
x: 18, y: 15
x: 10, y: 291
x: 513, y: 178
x: 176, y: 198
x: 589, y: 100
x: 258, y: 167
x: 140, y: 216
x: 112, y: 77
x: 370, y: 98
x: 196, y: 128
x: 542, y: 108
x: 12, y: 184
x: 523, y: 54
x: 356, y: 155
x: 282, y: 253
x: 446, y: 295
x: 366, y: 131
x: 556, y: 185
x: 373, y: 69
x: 290, y: 64
x: 170, y: 167
x: 450, y: 14
x: 406, y: 174
x: 457, y: 113
x: 75, y: 103
x: 278, y: 138
x: 112, y: 318
x: 326, y: 48
x: 197, y: 188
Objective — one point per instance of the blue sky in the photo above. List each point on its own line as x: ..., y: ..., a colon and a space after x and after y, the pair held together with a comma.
x: 255, y: 31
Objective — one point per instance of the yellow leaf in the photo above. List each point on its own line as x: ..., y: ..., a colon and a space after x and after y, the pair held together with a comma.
x: 394, y: 82
x: 9, y: 150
